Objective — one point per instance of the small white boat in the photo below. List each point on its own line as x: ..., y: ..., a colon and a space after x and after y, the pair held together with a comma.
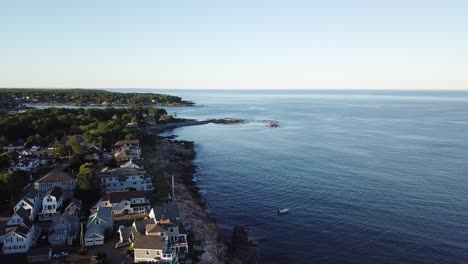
x: 283, y: 211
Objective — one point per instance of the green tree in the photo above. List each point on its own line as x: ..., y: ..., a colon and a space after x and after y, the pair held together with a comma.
x: 88, y: 187
x: 75, y: 145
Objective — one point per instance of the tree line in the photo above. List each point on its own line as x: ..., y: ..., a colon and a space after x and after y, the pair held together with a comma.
x: 87, y: 97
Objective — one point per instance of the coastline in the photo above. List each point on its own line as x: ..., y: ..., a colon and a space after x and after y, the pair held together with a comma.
x: 175, y: 158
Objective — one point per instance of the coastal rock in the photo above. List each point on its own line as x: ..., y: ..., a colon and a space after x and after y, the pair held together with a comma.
x: 272, y: 124
x: 227, y: 121
x: 242, y: 248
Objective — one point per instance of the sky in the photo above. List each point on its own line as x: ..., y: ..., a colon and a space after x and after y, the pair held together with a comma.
x: 236, y: 44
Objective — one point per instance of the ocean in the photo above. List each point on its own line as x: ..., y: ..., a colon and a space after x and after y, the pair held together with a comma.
x: 369, y: 176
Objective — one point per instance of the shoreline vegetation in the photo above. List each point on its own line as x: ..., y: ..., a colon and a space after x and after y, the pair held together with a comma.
x: 18, y: 98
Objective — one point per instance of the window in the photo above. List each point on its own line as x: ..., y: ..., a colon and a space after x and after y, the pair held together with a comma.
x: 147, y: 252
x: 158, y: 253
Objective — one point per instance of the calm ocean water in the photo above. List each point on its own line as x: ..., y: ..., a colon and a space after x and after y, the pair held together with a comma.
x: 369, y: 176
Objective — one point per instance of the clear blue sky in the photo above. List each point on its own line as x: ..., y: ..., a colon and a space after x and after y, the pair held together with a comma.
x: 372, y: 44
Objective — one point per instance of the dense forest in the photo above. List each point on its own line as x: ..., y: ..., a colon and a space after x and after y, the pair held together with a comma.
x: 88, y: 97
x: 8, y: 102
x: 44, y: 126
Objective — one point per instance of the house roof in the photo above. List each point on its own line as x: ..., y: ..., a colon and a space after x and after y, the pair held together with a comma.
x: 122, y: 153
x: 117, y: 197
x: 75, y: 202
x: 32, y: 194
x: 41, y: 251
x: 129, y: 164
x: 57, y: 176
x: 94, y: 231
x: 24, y: 215
x: 168, y: 211
x: 127, y: 142
x: 154, y: 228
x: 126, y: 231
x: 102, y: 213
x: 20, y: 230
x: 141, y: 224
x: 149, y: 242
x: 55, y: 192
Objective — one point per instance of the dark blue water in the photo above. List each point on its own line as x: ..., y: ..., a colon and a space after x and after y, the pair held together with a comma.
x: 370, y: 177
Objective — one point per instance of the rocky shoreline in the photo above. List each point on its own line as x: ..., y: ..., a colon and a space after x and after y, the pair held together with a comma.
x: 175, y: 157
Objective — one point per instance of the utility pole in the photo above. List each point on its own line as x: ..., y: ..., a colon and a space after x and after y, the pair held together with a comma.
x: 173, y: 188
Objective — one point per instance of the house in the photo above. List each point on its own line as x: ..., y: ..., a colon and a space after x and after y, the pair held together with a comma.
x: 121, y: 179
x: 126, y: 234
x: 131, y: 165
x: 131, y: 125
x: 19, y: 216
x: 14, y: 146
x: 154, y: 249
x: 93, y: 148
x: 74, y: 207
x: 51, y: 202
x: 27, y: 164
x: 19, y: 238
x: 123, y: 155
x: 35, y: 148
x: 39, y: 255
x: 133, y: 146
x: 30, y: 202
x: 97, y: 225
x: 64, y: 230
x: 61, y: 179
x: 165, y: 211
x: 167, y: 218
x: 125, y: 203
x: 91, y: 157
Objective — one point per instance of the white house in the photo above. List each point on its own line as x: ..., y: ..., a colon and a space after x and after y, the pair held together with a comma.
x: 125, y: 203
x: 64, y: 180
x: 27, y: 164
x: 133, y: 146
x: 30, y: 202
x: 51, y: 202
x: 154, y: 249
x: 18, y: 217
x: 19, y: 238
x: 121, y: 179
x: 14, y: 146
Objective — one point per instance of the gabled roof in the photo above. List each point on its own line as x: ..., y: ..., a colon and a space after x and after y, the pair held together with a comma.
x: 149, y: 242
x: 103, y: 213
x: 167, y: 211
x: 94, y: 231
x: 126, y: 231
x: 127, y: 142
x: 55, y: 192
x: 122, y: 153
x: 32, y: 194
x: 128, y: 164
x: 74, y: 202
x: 24, y: 215
x: 56, y: 176
x: 154, y: 228
x: 117, y: 197
x: 141, y: 224
x: 20, y: 230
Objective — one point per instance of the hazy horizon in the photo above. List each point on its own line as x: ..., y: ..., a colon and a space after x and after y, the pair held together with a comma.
x: 396, y: 45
